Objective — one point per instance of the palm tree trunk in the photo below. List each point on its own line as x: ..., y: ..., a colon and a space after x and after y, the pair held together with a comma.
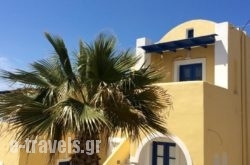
x: 84, y: 157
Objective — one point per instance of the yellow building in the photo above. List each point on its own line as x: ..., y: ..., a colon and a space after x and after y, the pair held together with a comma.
x: 206, y: 70
x: 205, y: 67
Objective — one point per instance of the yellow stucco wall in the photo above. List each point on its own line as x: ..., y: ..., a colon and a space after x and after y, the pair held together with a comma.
x: 247, y: 48
x: 33, y: 158
x: 239, y: 80
x: 207, y: 119
x: 234, y: 61
x: 201, y: 27
x: 7, y: 157
x: 186, y: 119
x: 120, y: 154
x: 222, y: 126
x: 165, y: 62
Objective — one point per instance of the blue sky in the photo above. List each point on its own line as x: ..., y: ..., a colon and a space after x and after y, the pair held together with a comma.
x: 23, y: 23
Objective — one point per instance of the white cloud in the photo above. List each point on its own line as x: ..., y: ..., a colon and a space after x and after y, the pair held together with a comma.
x: 4, y: 63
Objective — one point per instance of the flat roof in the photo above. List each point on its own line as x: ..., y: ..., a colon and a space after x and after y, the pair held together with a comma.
x: 180, y: 44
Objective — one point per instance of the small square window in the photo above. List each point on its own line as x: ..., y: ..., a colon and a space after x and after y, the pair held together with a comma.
x: 190, y: 33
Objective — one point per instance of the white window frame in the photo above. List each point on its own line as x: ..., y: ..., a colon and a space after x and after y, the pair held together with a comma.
x: 177, y: 65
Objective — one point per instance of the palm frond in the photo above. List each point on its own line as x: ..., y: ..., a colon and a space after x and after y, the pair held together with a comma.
x: 133, y: 112
x: 77, y: 116
x: 50, y: 70
x: 25, y: 78
x: 62, y: 52
x: 125, y: 60
x: 25, y: 115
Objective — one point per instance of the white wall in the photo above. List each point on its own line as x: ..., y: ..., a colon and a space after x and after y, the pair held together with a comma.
x: 221, y: 55
x: 145, y: 57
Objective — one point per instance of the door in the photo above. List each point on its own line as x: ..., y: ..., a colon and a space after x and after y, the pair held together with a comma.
x: 163, y: 153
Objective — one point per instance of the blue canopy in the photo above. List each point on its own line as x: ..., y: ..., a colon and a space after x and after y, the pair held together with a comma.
x: 180, y: 44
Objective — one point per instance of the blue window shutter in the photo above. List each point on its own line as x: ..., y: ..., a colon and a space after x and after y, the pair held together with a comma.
x: 154, y: 153
x: 190, y: 72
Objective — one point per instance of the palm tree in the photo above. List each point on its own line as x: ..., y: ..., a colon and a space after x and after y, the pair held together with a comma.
x: 97, y: 94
